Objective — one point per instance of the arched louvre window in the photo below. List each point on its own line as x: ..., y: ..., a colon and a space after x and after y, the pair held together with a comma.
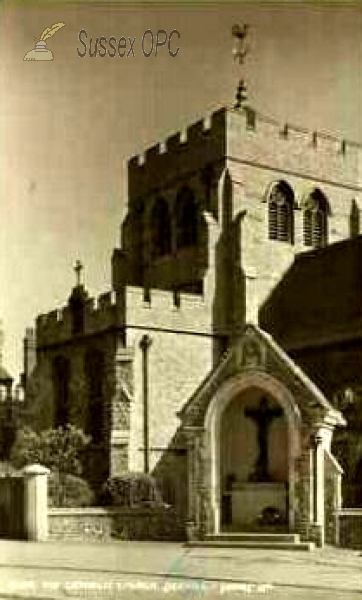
x: 186, y: 219
x: 280, y: 213
x: 307, y: 227
x: 94, y: 373
x: 273, y: 220
x: 61, y: 380
x: 160, y: 225
x: 315, y: 219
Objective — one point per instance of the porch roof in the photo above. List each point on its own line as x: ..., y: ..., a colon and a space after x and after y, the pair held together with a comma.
x: 229, y: 366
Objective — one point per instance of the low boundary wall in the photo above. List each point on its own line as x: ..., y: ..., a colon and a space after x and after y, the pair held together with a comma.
x: 349, y: 528
x: 112, y: 523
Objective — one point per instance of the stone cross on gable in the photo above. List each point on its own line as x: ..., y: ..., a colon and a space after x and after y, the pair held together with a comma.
x: 78, y: 269
x: 263, y: 417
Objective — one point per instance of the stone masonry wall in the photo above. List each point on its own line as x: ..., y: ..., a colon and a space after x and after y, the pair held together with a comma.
x: 182, y: 329
x: 294, y: 150
x: 107, y: 523
x: 257, y: 158
x: 349, y: 523
x: 41, y: 402
x: 177, y: 364
x: 56, y: 326
x: 181, y: 155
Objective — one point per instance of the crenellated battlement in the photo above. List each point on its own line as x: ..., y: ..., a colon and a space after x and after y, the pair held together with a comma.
x: 255, y: 121
x: 164, y: 299
x: 181, y: 140
x: 246, y: 136
x: 262, y: 142
x: 166, y: 310
x: 186, y: 151
x: 56, y: 326
x: 130, y: 307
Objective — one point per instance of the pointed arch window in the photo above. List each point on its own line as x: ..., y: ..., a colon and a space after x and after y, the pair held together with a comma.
x: 160, y: 229
x: 94, y: 373
x: 61, y: 380
x: 315, y: 219
x: 133, y: 228
x: 133, y: 239
x: 186, y: 219
x: 280, y: 213
x: 207, y: 178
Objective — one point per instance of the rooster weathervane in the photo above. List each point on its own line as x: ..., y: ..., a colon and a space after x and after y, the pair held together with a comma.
x: 240, y: 51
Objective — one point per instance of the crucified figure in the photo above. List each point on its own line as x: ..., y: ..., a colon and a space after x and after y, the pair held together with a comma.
x: 263, y: 417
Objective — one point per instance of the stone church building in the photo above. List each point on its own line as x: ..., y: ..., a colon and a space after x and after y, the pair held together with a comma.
x: 231, y: 342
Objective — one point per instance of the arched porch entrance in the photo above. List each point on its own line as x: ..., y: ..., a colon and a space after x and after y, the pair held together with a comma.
x: 258, y: 420
x: 252, y: 430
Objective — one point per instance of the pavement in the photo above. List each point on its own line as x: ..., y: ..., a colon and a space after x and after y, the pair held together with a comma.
x: 53, y: 570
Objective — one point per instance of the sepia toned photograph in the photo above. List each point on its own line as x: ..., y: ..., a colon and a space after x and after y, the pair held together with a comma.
x: 181, y: 309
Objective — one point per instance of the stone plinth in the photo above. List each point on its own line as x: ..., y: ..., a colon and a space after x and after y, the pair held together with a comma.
x: 249, y: 500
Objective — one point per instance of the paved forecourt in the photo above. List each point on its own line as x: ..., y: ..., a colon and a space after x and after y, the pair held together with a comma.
x: 143, y: 569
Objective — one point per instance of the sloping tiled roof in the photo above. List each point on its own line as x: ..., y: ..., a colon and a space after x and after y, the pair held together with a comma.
x: 301, y: 375
x: 319, y: 297
x: 215, y: 376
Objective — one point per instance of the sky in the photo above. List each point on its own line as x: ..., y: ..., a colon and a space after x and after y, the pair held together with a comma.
x: 68, y: 126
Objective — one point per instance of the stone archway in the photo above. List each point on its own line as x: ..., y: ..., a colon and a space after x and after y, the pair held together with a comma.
x: 228, y: 392
x: 254, y: 451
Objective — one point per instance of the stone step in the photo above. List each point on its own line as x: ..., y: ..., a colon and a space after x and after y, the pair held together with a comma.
x: 266, y: 545
x: 239, y: 536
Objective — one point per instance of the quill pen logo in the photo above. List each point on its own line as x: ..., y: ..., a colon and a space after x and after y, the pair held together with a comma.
x: 40, y: 52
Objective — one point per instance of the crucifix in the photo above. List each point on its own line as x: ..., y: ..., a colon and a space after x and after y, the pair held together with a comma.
x: 78, y: 268
x: 263, y: 417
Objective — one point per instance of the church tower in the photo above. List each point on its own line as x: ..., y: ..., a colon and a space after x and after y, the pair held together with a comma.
x: 171, y: 372
x: 222, y: 209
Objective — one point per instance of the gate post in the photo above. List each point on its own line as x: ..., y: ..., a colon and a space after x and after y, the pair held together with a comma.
x: 36, y: 502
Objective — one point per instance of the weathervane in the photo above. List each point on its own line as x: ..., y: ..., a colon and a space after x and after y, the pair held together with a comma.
x: 240, y: 51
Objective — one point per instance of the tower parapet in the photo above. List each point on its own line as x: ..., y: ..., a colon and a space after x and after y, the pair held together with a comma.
x: 250, y: 137
x: 57, y: 326
x: 259, y: 141
x: 182, y: 153
x: 132, y: 307
x: 161, y: 309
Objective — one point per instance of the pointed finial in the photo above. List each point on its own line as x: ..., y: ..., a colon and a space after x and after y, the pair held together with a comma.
x: 240, y: 51
x: 78, y: 268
